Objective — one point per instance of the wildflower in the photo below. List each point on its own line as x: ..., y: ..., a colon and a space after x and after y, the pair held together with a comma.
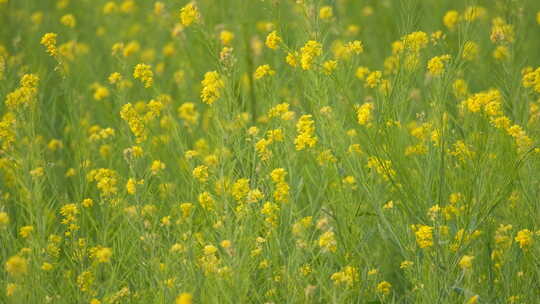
x: 26, y: 94
x: 451, y: 19
x: 501, y: 52
x: 240, y: 189
x: 436, y: 64
x: 364, y: 113
x: 292, y: 59
x: 460, y: 88
x: 355, y: 47
x: 502, y: 32
x: 327, y: 242
x: 306, y: 131
x: 273, y: 40
x: 531, y: 79
x: 373, y: 79
x: 329, y: 66
x: 11, y: 288
x: 326, y: 12
x: 348, y: 276
x: 184, y: 298
x: 308, y: 53
x: 473, y: 299
x: 524, y: 238
x: 85, y: 281
x: 384, y: 287
x: 206, y: 201
x: 270, y: 210
x: 201, y: 173
x: 4, y: 220
x: 424, y: 236
x: 16, y: 266
x: 135, y: 121
x: 102, y: 254
x: 263, y: 71
x: 466, y: 262
x: 189, y: 14
x: 226, y: 37
x: 415, y: 41
x: 49, y: 41
x: 25, y: 231
x: 406, y: 264
x: 68, y: 20
x: 157, y: 166
x: 188, y: 113
x: 381, y: 167
x: 144, y: 73
x: 106, y: 180
x: 212, y: 85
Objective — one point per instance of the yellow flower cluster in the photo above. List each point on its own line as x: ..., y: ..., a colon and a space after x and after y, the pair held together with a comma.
x: 144, y: 73
x: 49, y: 41
x: 306, y: 133
x: 25, y: 95
x: 424, y: 235
x: 308, y: 53
x: 189, y: 14
x: 106, y: 180
x: 347, y: 276
x: 212, y: 86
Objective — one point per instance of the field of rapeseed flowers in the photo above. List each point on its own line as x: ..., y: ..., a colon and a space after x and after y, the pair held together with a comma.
x: 269, y: 151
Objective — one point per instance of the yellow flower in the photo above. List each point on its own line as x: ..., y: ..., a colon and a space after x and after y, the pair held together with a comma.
x: 406, y: 264
x: 4, y: 220
x: 327, y: 241
x: 364, y: 113
x: 451, y: 19
x: 184, y: 298
x: 144, y: 73
x: 415, y: 41
x: 466, y: 262
x: 11, y: 288
x: 212, y: 85
x: 16, y: 266
x: 206, y: 201
x: 329, y: 66
x: 473, y: 299
x: 524, y: 238
x: 189, y: 14
x: 157, y: 166
x: 436, y: 64
x: 263, y: 71
x: 49, y: 41
x: 326, y: 12
x: 273, y: 40
x: 201, y: 173
x: 424, y: 236
x: 226, y: 37
x: 306, y: 132
x: 384, y: 287
x: 373, y: 79
x: 501, y: 52
x: 348, y: 276
x: 26, y: 231
x: 47, y: 266
x: 103, y: 255
x: 308, y: 53
x: 68, y: 20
